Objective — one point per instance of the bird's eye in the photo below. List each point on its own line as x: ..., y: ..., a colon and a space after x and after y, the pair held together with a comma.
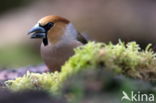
x: 48, y: 26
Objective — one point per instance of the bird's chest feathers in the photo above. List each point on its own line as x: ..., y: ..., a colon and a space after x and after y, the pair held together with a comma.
x: 56, y: 52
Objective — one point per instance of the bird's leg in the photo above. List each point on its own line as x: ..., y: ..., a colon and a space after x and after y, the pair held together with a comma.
x: 54, y: 69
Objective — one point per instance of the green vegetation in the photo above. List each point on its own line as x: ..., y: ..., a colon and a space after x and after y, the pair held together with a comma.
x: 127, y: 59
x: 17, y: 56
x: 101, y: 86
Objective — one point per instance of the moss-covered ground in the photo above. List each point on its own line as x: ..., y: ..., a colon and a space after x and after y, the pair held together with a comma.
x: 125, y: 59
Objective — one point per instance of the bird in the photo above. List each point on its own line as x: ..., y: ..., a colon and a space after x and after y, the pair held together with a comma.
x: 59, y: 38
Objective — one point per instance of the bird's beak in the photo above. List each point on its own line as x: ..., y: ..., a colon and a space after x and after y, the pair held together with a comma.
x: 37, y: 32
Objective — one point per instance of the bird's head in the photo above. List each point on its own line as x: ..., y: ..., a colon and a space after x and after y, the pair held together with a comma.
x: 50, y: 29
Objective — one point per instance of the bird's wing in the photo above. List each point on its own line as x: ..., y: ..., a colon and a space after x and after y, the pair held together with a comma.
x: 81, y: 38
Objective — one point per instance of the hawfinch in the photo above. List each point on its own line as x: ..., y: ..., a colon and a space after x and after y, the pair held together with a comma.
x: 59, y: 38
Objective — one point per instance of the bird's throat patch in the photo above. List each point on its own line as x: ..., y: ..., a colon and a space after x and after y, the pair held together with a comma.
x: 45, y: 41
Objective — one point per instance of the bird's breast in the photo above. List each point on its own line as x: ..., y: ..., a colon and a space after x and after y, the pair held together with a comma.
x: 55, y: 56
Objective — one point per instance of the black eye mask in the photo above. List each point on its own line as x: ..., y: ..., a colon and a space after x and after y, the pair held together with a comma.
x: 48, y: 26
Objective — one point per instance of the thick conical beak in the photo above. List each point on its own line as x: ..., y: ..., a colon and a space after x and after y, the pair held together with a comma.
x: 37, y: 32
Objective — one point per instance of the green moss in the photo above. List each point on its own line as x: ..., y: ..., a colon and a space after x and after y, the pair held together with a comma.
x: 123, y: 58
x: 127, y: 59
x: 84, y: 57
x: 45, y: 81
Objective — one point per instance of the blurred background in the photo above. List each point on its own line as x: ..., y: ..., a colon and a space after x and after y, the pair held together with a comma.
x: 102, y: 20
